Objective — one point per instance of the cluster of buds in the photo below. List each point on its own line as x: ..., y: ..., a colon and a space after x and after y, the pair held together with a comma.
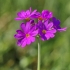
x: 43, y: 25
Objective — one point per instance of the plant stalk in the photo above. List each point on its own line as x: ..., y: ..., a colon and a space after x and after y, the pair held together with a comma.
x: 38, y: 66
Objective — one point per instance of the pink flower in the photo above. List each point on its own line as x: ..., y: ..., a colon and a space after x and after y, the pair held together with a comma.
x: 44, y: 15
x: 46, y: 31
x: 26, y: 35
x: 44, y: 27
x: 27, y: 15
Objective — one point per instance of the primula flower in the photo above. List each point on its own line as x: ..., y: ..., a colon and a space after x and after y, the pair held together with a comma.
x: 56, y: 25
x: 42, y: 25
x: 44, y: 15
x: 26, y: 35
x: 27, y: 15
x: 46, y: 31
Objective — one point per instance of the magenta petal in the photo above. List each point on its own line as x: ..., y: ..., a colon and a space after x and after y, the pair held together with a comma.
x: 33, y: 28
x: 18, y: 35
x: 33, y: 12
x: 18, y: 18
x: 22, y: 26
x: 32, y: 39
x: 62, y: 29
x: 28, y: 41
x: 19, y: 31
x: 23, y: 43
x: 52, y: 35
x: 50, y: 25
x: 50, y: 15
x: 47, y: 36
x: 34, y: 33
x: 46, y: 23
x: 27, y: 12
x: 19, y: 42
x: 21, y: 14
x: 52, y: 31
x: 27, y: 28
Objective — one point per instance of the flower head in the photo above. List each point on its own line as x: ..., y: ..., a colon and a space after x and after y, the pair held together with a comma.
x: 44, y: 27
x: 44, y: 15
x: 56, y: 25
x: 46, y: 31
x: 26, y: 35
x: 27, y: 15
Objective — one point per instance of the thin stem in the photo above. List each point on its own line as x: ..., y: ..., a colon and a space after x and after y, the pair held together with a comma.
x: 38, y: 67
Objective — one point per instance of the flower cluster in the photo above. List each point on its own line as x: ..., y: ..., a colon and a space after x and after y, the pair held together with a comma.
x: 43, y: 25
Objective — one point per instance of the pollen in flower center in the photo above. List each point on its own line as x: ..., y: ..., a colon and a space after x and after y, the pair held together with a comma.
x: 27, y: 35
x: 27, y: 19
x: 39, y: 18
x: 44, y: 31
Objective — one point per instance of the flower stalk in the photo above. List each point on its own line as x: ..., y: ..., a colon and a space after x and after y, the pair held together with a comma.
x: 38, y: 66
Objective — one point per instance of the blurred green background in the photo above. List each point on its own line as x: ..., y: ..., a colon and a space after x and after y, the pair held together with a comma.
x: 55, y: 53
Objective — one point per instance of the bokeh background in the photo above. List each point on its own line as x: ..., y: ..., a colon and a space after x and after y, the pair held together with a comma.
x: 55, y: 53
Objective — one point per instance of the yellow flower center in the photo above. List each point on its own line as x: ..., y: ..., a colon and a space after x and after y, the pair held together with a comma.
x: 39, y: 18
x: 27, y: 19
x: 44, y: 31
x: 27, y: 35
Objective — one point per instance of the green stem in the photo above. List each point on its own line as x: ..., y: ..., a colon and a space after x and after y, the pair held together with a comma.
x: 38, y: 67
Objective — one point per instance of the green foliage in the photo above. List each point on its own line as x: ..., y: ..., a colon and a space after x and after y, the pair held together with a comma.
x: 55, y: 53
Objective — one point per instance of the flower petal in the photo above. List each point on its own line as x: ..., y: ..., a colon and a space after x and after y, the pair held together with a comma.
x: 21, y: 14
x: 43, y: 37
x: 52, y: 35
x: 19, y: 31
x: 56, y: 21
x: 18, y: 36
x: 19, y: 42
x: 32, y: 39
x: 62, y: 29
x: 46, y: 23
x: 34, y: 33
x: 50, y: 25
x: 28, y: 41
x: 27, y: 12
x: 33, y: 12
x: 22, y: 26
x: 27, y: 28
x: 52, y: 31
x: 50, y: 15
x: 47, y: 36
x: 23, y: 43
x: 18, y: 18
